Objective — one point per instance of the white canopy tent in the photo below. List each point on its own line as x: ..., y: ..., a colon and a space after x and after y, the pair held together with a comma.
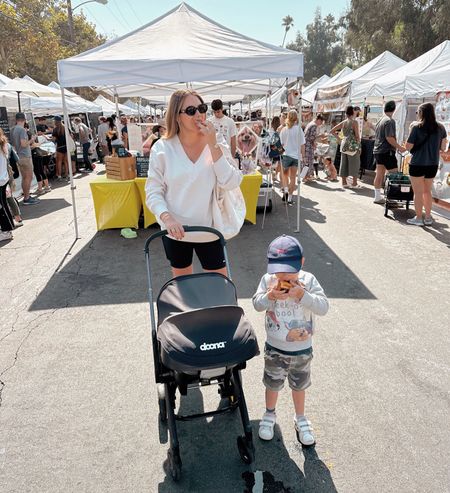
x: 83, y: 105
x: 309, y: 92
x: 336, y: 94
x: 181, y: 46
x: 392, y: 85
x: 428, y: 84
x: 27, y: 88
x: 108, y: 107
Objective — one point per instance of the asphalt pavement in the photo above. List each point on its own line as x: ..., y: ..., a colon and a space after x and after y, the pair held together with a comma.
x: 78, y: 402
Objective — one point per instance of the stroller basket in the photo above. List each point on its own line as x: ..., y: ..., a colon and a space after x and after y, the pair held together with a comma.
x: 207, y: 338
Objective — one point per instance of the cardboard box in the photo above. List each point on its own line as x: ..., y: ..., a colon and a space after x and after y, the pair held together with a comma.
x: 120, y: 168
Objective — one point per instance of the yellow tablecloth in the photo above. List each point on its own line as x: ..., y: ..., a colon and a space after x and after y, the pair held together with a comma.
x: 117, y: 203
x: 250, y: 186
x: 149, y: 217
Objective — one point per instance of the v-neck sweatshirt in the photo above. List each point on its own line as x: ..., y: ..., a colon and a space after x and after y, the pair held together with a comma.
x: 185, y: 189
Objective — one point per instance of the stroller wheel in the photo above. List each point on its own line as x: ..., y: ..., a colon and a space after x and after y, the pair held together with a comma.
x: 162, y: 402
x: 246, y: 449
x: 174, y: 463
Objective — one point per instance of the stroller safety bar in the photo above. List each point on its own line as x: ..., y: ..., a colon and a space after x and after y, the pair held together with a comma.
x: 187, y: 229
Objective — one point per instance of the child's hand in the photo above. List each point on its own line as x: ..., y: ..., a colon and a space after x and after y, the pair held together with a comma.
x: 297, y: 291
x: 274, y: 294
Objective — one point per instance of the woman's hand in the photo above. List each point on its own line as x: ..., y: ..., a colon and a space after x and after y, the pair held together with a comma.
x: 174, y: 228
x: 207, y: 129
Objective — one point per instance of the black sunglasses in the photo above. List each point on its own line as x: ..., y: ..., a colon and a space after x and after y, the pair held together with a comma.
x: 192, y: 110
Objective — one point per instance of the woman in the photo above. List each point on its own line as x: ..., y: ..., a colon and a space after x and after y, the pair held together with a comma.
x: 293, y: 141
x: 185, y: 167
x: 6, y: 219
x: 427, y: 137
x: 112, y: 136
x: 350, y: 148
x: 311, y: 138
x: 59, y: 137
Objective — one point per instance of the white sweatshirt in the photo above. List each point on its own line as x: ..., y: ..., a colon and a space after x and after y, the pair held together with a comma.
x: 185, y: 189
x: 284, y: 315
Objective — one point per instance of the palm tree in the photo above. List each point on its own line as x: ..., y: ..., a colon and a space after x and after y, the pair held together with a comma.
x: 288, y: 22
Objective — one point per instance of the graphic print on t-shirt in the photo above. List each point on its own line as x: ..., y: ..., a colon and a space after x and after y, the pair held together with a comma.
x: 287, y: 321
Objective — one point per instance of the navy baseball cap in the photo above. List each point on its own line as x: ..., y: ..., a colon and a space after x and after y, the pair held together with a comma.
x: 57, y: 118
x: 285, y: 254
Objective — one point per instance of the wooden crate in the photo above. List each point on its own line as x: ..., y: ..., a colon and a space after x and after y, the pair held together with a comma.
x: 120, y: 168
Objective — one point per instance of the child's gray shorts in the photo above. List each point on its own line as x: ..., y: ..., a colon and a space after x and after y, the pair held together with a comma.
x: 277, y: 366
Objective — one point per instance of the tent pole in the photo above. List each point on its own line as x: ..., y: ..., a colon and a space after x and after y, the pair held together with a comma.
x: 299, y: 179
x: 69, y: 162
x: 116, y: 100
x: 18, y: 100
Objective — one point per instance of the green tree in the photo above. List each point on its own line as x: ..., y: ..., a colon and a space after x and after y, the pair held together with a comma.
x: 287, y: 23
x: 408, y: 28
x: 34, y: 36
x: 322, y: 46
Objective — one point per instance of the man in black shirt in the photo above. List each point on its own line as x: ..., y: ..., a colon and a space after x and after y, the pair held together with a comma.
x: 385, y: 148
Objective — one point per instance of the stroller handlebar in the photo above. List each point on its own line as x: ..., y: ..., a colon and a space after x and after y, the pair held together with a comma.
x: 187, y: 229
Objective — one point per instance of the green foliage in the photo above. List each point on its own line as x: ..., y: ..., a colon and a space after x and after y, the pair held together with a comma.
x: 322, y: 47
x: 408, y: 28
x: 34, y: 35
x: 287, y: 23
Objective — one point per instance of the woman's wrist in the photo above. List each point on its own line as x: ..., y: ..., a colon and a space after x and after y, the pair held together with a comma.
x: 164, y: 216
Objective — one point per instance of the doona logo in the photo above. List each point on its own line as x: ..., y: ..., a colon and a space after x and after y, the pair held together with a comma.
x: 215, y: 345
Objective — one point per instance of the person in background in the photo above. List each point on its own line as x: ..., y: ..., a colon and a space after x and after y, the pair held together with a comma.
x: 426, y: 139
x: 41, y: 127
x: 13, y: 160
x: 350, y: 163
x: 124, y: 131
x: 102, y: 129
x: 85, y: 136
x: 22, y: 144
x: 38, y: 165
x: 384, y: 149
x: 6, y: 219
x: 224, y: 125
x: 59, y: 137
x: 330, y: 169
x: 112, y: 136
x: 293, y: 141
x: 311, y: 138
x: 186, y: 166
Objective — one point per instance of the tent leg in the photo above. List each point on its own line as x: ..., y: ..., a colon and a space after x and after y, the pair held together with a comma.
x: 69, y: 163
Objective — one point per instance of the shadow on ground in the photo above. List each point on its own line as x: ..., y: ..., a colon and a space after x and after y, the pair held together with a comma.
x: 45, y: 207
x: 205, y: 443
x: 111, y: 269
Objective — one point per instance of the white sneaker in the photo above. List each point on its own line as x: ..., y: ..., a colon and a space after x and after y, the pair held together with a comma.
x: 428, y: 221
x: 415, y: 221
x: 304, y: 431
x: 379, y: 200
x: 6, y: 235
x: 266, y: 426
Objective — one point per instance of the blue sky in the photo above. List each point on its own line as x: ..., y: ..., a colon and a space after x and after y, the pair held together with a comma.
x: 258, y: 19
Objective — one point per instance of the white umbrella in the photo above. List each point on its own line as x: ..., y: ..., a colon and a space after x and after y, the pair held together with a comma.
x: 29, y: 88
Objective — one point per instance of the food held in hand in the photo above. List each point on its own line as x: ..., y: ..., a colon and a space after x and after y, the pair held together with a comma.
x: 284, y: 286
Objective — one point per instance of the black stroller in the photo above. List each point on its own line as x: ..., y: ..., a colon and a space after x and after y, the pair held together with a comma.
x: 201, y: 338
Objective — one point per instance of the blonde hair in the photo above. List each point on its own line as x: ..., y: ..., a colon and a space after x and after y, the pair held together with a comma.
x: 3, y: 142
x: 292, y: 118
x: 173, y: 111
